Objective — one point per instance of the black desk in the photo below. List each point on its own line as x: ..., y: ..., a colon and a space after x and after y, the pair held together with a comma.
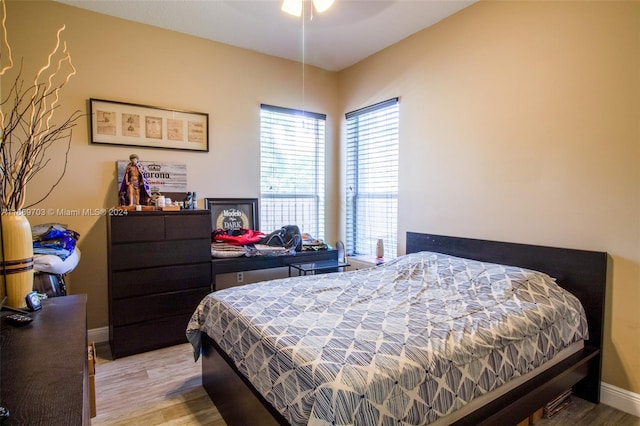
x: 241, y: 264
x: 44, y: 365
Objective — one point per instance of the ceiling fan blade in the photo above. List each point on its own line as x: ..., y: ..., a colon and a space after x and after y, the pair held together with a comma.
x: 292, y: 7
x: 322, y: 5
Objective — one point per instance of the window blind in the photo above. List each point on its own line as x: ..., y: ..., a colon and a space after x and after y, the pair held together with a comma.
x: 292, y: 169
x: 372, y: 178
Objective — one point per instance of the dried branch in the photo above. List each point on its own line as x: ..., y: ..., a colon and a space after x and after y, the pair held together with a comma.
x: 27, y: 124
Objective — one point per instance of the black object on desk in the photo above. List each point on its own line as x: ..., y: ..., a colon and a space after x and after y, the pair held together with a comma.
x: 316, y: 267
x: 44, y: 365
x: 17, y: 319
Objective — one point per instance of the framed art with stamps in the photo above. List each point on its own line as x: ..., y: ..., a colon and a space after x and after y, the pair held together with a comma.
x: 121, y: 123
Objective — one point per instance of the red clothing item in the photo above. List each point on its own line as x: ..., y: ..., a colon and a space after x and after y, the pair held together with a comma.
x: 238, y: 237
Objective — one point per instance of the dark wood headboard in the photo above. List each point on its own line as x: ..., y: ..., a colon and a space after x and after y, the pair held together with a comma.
x: 583, y: 273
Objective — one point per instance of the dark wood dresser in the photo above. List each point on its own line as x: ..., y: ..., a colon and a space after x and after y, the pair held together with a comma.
x: 44, y: 377
x: 159, y: 266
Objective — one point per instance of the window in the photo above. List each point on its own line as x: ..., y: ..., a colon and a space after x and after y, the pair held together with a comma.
x: 372, y: 179
x: 292, y: 169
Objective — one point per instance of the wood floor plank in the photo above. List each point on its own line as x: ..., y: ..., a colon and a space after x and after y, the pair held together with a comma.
x: 161, y: 387
x: 164, y: 387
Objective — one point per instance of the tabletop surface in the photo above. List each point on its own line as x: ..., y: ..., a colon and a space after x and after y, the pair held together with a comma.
x: 43, y: 364
x: 316, y: 266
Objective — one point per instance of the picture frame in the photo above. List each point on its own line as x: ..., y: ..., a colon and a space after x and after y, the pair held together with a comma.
x: 233, y: 213
x: 128, y: 124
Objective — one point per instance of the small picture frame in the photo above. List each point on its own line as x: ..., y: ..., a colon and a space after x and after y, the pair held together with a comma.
x: 233, y: 213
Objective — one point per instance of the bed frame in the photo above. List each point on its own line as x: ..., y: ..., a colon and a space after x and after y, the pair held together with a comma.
x: 583, y: 273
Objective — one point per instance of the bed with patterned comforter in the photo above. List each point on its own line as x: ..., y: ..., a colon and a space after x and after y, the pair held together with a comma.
x: 404, y: 343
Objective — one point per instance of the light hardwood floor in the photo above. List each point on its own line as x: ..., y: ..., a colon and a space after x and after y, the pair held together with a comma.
x: 163, y: 387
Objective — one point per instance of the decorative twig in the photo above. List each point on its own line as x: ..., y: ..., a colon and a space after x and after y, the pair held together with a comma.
x: 28, y: 129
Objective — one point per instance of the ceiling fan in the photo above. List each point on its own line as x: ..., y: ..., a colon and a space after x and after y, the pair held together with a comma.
x: 294, y: 7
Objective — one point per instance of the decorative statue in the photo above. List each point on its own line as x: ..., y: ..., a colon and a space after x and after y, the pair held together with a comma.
x: 135, y: 188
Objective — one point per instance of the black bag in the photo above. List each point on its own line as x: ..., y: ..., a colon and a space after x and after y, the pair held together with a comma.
x: 52, y: 285
x: 288, y: 236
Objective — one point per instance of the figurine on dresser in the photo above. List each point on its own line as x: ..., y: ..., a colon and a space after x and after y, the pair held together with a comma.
x: 134, y: 189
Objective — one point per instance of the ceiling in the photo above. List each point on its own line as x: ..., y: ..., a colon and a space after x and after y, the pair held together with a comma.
x: 348, y: 32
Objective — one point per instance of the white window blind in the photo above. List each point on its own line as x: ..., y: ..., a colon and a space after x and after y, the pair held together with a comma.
x: 372, y: 179
x: 292, y: 169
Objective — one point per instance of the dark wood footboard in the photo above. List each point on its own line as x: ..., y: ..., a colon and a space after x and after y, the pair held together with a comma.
x: 234, y: 397
x: 517, y: 404
x: 240, y: 404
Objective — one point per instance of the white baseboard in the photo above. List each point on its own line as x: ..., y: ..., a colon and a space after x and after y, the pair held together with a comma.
x: 620, y: 399
x: 98, y: 335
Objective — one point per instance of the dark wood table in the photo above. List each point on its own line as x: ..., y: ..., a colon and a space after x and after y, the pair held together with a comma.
x: 43, y: 373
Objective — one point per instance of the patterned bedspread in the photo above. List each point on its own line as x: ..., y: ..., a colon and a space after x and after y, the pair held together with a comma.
x: 404, y: 343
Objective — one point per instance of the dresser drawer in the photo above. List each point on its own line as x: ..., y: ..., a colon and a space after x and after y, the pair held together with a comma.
x: 159, y: 253
x: 136, y: 228
x: 141, y: 282
x: 157, y: 306
x: 187, y: 227
x: 147, y: 336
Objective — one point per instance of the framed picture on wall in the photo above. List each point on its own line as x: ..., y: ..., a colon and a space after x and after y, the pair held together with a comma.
x: 233, y: 213
x: 121, y: 123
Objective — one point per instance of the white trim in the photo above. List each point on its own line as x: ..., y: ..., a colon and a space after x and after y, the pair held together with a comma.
x: 620, y: 399
x: 98, y: 335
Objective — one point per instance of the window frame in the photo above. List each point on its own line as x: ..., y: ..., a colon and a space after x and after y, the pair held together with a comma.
x: 315, y: 125
x: 359, y: 245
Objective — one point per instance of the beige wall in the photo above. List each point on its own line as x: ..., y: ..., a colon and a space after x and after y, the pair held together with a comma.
x: 520, y: 121
x: 129, y: 62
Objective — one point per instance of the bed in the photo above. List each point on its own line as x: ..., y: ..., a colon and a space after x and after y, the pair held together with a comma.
x: 374, y: 375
